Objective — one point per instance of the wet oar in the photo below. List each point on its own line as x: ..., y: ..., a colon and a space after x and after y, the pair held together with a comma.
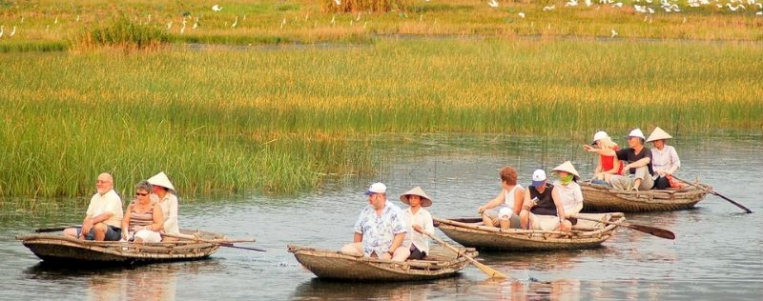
x: 219, y: 243
x: 717, y: 194
x: 642, y: 228
x: 55, y: 229
x: 486, y: 269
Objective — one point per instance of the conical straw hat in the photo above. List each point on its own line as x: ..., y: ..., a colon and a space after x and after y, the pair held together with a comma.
x: 658, y: 134
x: 567, y: 166
x: 161, y: 179
x: 426, y: 201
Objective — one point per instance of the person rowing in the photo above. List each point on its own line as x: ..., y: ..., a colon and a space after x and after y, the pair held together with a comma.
x: 419, y: 222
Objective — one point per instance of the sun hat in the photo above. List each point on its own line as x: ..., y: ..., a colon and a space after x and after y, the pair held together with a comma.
x: 636, y: 133
x: 658, y: 134
x: 377, y: 188
x: 162, y: 180
x: 598, y: 136
x: 426, y: 201
x: 567, y: 167
x: 539, y: 177
x: 505, y: 213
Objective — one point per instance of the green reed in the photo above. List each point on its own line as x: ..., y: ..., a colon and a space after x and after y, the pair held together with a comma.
x: 281, y: 121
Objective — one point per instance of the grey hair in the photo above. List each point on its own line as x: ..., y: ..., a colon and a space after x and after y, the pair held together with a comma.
x: 143, y: 185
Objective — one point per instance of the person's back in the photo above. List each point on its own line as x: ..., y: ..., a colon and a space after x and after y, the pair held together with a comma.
x: 545, y: 203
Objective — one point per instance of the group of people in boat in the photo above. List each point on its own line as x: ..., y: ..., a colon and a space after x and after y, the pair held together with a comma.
x: 151, y: 217
x: 385, y: 231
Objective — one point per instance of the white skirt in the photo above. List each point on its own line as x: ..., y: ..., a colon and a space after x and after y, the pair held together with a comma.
x: 148, y: 236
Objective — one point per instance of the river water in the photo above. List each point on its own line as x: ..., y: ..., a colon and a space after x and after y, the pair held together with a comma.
x: 718, y: 252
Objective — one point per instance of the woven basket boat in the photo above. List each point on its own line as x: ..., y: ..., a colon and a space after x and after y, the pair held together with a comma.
x: 58, y: 249
x: 329, y: 264
x: 601, y: 198
x: 471, y: 232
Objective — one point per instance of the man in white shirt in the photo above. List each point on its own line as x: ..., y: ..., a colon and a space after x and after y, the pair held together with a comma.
x: 104, y: 214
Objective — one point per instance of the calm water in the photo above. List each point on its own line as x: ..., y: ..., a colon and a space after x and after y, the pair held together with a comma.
x: 718, y: 253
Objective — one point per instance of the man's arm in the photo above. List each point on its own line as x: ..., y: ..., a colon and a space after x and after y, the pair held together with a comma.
x: 358, y: 237
x: 397, y: 242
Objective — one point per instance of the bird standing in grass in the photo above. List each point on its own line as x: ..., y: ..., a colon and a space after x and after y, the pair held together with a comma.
x: 493, y: 3
x: 235, y: 23
x: 217, y: 8
x: 614, y: 33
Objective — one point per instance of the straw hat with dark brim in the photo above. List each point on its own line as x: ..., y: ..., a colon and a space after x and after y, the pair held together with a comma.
x: 567, y: 167
x: 162, y: 180
x: 426, y: 201
x: 658, y: 134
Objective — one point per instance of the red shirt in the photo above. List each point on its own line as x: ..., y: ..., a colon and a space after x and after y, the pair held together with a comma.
x: 608, y: 162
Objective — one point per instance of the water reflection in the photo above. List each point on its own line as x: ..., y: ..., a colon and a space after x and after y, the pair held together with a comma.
x: 316, y: 289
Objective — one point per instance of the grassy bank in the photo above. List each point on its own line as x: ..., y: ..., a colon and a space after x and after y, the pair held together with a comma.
x: 222, y: 121
x: 56, y: 22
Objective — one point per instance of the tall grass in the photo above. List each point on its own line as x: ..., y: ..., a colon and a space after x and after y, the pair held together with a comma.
x: 223, y: 121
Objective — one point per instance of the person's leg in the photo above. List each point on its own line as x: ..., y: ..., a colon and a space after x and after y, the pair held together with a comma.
x: 620, y: 182
x: 416, y: 254
x: 490, y: 216
x: 661, y: 183
x: 72, y: 232
x: 524, y: 219
x: 113, y: 234
x: 565, y: 226
x: 100, y: 231
x: 643, y: 179
x: 354, y: 249
x: 401, y: 254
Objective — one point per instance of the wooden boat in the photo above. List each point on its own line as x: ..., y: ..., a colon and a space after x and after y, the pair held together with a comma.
x: 329, y: 264
x: 58, y: 249
x: 471, y: 232
x: 602, y: 198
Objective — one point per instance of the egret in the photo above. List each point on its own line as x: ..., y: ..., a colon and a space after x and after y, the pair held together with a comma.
x: 283, y: 23
x: 217, y: 8
x: 521, y: 15
x: 2, y: 30
x: 77, y: 18
x: 549, y: 8
x: 182, y: 29
x: 493, y: 3
x: 22, y: 20
x: 13, y: 32
x: 338, y: 2
x: 588, y: 3
x: 333, y: 20
x: 614, y: 33
x: 760, y: 13
x: 169, y: 25
x: 618, y: 5
x: 55, y: 21
x: 235, y: 22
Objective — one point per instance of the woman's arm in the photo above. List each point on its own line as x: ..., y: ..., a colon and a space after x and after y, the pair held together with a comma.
x: 493, y: 203
x: 558, y: 203
x: 519, y: 199
x: 158, y: 224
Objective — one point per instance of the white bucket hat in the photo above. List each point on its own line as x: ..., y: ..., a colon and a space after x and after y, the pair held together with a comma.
x: 598, y: 136
x: 162, y: 180
x: 658, y: 134
x: 426, y: 201
x: 636, y: 133
x: 567, y: 167
x: 376, y: 188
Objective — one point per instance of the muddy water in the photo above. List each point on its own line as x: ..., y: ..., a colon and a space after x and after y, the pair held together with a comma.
x: 718, y: 253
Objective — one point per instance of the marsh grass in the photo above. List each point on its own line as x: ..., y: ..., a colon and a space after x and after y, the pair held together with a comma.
x: 281, y: 122
x: 122, y: 33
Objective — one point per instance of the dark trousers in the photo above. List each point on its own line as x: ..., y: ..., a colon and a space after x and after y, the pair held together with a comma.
x: 661, y: 183
x: 416, y: 254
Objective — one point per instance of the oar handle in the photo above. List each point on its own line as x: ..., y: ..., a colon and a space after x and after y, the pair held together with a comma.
x: 747, y: 210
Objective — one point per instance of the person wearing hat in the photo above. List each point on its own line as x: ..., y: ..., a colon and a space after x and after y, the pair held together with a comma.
x: 380, y: 230
x: 164, y: 194
x: 639, y: 164
x: 608, y: 163
x: 568, y: 189
x: 503, y: 210
x: 419, y: 221
x: 665, y: 159
x: 542, y: 208
x: 104, y: 213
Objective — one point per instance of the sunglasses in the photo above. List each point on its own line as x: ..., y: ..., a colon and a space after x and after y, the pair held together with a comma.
x: 141, y: 194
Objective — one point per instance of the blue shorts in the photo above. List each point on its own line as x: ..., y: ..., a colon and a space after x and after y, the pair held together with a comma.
x: 112, y: 233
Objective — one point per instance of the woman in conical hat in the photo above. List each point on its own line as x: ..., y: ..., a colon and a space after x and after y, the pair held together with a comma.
x: 608, y: 164
x: 568, y: 189
x: 665, y: 159
x: 419, y: 221
x: 164, y: 194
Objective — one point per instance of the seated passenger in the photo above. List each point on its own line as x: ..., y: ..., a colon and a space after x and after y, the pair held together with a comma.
x: 608, y: 164
x: 568, y: 189
x: 104, y: 214
x: 665, y: 160
x: 542, y: 208
x: 143, y: 219
x: 639, y: 164
x: 419, y: 221
x: 509, y: 201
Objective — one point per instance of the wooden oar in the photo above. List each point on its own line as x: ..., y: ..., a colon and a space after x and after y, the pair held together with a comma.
x: 55, y: 229
x: 717, y: 194
x: 216, y: 242
x: 486, y: 269
x: 642, y: 228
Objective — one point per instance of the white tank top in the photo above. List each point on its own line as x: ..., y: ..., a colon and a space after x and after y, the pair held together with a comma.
x: 508, y: 197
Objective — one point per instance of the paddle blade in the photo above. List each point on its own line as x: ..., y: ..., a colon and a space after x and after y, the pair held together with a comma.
x: 654, y: 231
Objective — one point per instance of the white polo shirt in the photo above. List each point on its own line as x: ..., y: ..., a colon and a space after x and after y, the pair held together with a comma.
x: 107, y: 202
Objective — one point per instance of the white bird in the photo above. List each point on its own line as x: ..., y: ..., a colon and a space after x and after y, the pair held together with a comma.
x: 521, y: 15
x: 55, y: 21
x: 338, y: 2
x: 149, y: 18
x: 13, y: 32
x: 169, y: 25
x: 196, y: 23
x: 235, y: 22
x: 2, y: 30
x: 571, y: 3
x: 760, y: 13
x: 651, y: 10
x: 217, y: 7
x: 77, y: 18
x: 22, y: 20
x: 333, y: 20
x: 283, y: 22
x: 618, y: 5
x: 493, y: 3
x: 549, y: 8
x: 614, y: 33
x: 588, y: 3
x: 760, y: 5
x: 182, y: 29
